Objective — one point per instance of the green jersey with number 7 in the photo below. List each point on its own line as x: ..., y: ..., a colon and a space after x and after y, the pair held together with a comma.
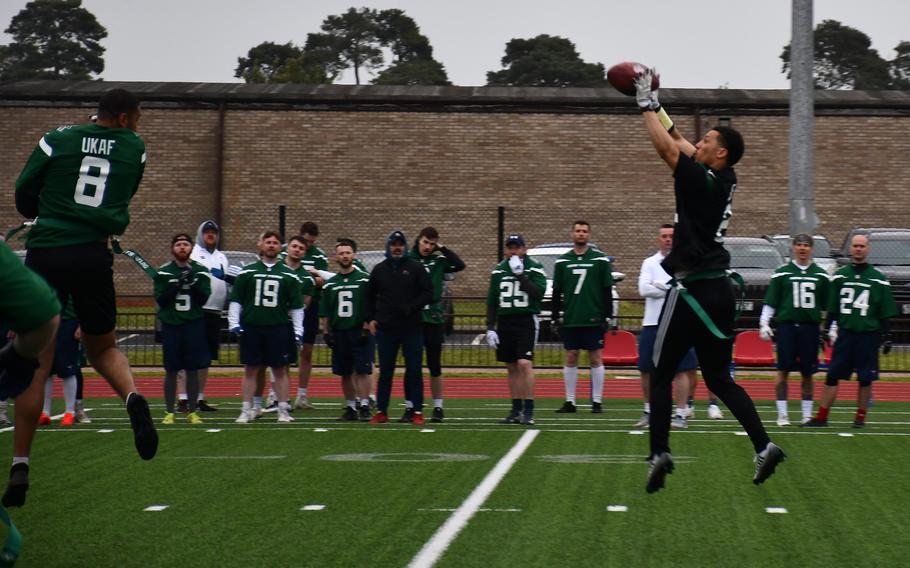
x: 84, y: 178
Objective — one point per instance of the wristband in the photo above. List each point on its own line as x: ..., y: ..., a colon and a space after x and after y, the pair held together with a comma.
x: 665, y: 119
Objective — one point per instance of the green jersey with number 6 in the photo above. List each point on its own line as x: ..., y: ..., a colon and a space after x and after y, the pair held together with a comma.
x: 184, y: 308
x: 266, y: 294
x: 505, y: 290
x: 585, y: 281
x: 797, y: 295
x: 860, y: 300
x: 343, y: 298
x: 84, y: 178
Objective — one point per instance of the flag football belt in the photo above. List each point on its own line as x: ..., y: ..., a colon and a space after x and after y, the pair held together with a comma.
x: 135, y: 256
x: 696, y: 307
x: 13, y: 544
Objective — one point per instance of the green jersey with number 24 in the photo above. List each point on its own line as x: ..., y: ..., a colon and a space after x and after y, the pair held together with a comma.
x: 860, y: 300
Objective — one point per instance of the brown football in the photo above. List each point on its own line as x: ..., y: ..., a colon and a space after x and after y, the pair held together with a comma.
x: 622, y: 74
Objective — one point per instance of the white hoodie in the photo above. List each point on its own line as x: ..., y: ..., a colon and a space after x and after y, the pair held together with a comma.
x: 212, y: 260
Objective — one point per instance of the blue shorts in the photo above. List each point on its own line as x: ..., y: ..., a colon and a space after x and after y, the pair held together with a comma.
x: 351, y: 353
x: 587, y: 338
x: 797, y: 347
x: 66, y: 352
x: 185, y: 346
x: 854, y: 352
x: 646, y: 352
x: 267, y: 346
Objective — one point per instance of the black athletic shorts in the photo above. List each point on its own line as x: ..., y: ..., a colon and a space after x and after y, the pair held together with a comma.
x: 213, y: 333
x: 433, y: 333
x: 310, y: 323
x: 517, y: 337
x: 86, y: 272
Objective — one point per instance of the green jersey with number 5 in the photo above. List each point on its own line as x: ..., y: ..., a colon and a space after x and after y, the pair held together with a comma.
x: 860, y: 300
x: 343, y: 300
x: 797, y: 295
x: 266, y: 294
x: 505, y: 290
x: 585, y: 281
x: 184, y: 308
x: 84, y: 178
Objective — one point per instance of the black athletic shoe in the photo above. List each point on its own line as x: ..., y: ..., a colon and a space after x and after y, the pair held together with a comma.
x: 349, y: 414
x: 203, y: 406
x: 527, y: 420
x: 859, y: 423
x: 597, y: 408
x: 407, y: 417
x: 438, y: 415
x: 17, y: 486
x: 144, y: 433
x: 364, y: 414
x: 511, y: 419
x: 568, y: 407
x: 661, y: 465
x: 766, y: 462
x: 815, y: 423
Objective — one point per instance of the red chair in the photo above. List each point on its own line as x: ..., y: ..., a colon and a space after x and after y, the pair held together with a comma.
x: 620, y: 348
x: 750, y: 350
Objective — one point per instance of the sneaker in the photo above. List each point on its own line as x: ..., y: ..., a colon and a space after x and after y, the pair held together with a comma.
x: 182, y: 406
x: 257, y: 413
x: 303, y: 403
x: 17, y: 486
x: 690, y: 412
x: 349, y: 414
x: 193, y: 418
x: 417, y: 419
x: 144, y: 434
x: 783, y: 420
x: 379, y: 418
x: 804, y: 420
x: 246, y: 416
x: 661, y: 465
x: 364, y: 414
x: 271, y: 400
x: 408, y: 416
x: 568, y: 407
x: 679, y: 422
x: 715, y: 413
x: 284, y: 415
x: 815, y: 423
x: 527, y: 420
x: 168, y: 418
x: 44, y: 419
x: 597, y: 408
x: 204, y: 406
x: 859, y: 423
x: 4, y: 420
x: 644, y: 421
x: 438, y: 415
x: 511, y: 419
x: 272, y: 406
x: 68, y: 419
x: 81, y: 416
x: 766, y: 462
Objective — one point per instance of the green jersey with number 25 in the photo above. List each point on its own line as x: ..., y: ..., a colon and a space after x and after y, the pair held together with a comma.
x: 505, y: 290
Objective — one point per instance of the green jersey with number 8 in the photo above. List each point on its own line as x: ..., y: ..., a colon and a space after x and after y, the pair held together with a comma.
x: 266, y: 294
x: 343, y: 300
x: 84, y: 178
x: 860, y: 300
x: 505, y: 290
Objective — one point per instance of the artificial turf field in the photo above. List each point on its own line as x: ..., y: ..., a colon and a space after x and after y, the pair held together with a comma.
x: 319, y: 492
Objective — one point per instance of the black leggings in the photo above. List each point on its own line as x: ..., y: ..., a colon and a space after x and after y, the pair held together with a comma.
x: 433, y: 338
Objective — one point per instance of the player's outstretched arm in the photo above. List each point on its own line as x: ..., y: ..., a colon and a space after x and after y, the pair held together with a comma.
x: 684, y: 145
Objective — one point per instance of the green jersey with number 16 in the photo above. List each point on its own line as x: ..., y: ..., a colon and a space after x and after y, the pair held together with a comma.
x: 343, y: 300
x: 505, y: 290
x: 797, y: 295
x: 266, y: 294
x: 84, y: 178
x: 860, y: 300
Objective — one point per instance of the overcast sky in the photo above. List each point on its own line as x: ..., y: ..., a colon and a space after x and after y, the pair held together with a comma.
x: 700, y: 44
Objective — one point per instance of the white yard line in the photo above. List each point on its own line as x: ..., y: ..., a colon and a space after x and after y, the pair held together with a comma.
x: 130, y: 336
x: 433, y: 550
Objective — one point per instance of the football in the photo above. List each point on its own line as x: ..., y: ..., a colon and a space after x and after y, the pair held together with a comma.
x: 622, y: 74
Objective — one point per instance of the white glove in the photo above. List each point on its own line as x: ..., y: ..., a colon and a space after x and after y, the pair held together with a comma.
x: 516, y: 265
x: 233, y: 270
x: 765, y: 331
x: 492, y: 338
x: 644, y: 96
x: 832, y: 333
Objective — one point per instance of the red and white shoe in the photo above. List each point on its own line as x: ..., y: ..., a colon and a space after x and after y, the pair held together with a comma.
x: 68, y: 419
x: 418, y: 419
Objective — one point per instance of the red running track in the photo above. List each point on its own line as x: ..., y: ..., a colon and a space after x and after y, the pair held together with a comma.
x: 467, y: 387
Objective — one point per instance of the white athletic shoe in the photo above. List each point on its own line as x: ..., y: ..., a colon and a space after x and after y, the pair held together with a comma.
x: 246, y: 416
x: 81, y: 416
x: 303, y: 403
x: 690, y: 411
x: 805, y: 419
x: 783, y: 420
x: 644, y: 421
x: 715, y: 413
x: 679, y: 423
x: 284, y: 415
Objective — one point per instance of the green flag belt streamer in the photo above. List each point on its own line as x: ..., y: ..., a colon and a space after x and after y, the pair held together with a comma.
x: 12, y: 232
x: 13, y: 545
x: 137, y: 258
x: 696, y: 307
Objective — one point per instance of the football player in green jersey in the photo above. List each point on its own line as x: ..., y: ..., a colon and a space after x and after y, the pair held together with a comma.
x: 296, y: 251
x: 78, y: 184
x: 314, y: 260
x: 585, y: 276
x: 439, y: 261
x: 266, y: 310
x: 182, y: 287
x: 342, y: 312
x: 796, y: 297
x: 858, y: 310
x: 517, y: 286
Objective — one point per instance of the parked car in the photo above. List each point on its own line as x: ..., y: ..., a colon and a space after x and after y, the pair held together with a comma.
x: 821, y: 250
x: 755, y: 259
x: 546, y: 254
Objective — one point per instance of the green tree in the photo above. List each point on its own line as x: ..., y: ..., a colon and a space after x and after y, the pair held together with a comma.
x: 413, y: 72
x: 900, y: 66
x: 844, y: 59
x: 546, y: 61
x: 53, y: 39
x: 278, y: 63
x: 349, y: 40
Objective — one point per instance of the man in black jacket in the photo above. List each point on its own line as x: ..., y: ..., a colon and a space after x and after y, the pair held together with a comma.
x: 399, y: 288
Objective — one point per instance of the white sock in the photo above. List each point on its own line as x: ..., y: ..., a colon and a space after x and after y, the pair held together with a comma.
x: 570, y: 378
x: 182, y: 396
x: 246, y: 406
x: 20, y: 459
x: 201, y: 396
x: 781, y: 407
x: 69, y: 393
x: 408, y: 404
x: 648, y: 407
x: 807, y: 408
x: 352, y: 404
x: 257, y: 402
x: 301, y: 392
x: 437, y: 403
x: 48, y: 395
x: 597, y: 384
x: 365, y: 402
x: 271, y: 390
x: 284, y: 405
x: 681, y: 411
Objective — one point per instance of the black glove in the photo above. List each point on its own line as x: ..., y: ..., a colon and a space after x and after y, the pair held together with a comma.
x: 186, y: 278
x: 887, y: 344
x: 329, y: 340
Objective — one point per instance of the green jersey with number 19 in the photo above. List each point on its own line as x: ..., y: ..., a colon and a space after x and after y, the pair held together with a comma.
x: 584, y: 280
x: 343, y: 298
x: 860, y: 300
x: 84, y: 178
x: 797, y: 295
x: 266, y: 294
x: 184, y: 308
x: 505, y: 291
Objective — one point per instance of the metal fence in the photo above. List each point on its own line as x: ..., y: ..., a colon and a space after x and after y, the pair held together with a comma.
x: 464, y: 347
